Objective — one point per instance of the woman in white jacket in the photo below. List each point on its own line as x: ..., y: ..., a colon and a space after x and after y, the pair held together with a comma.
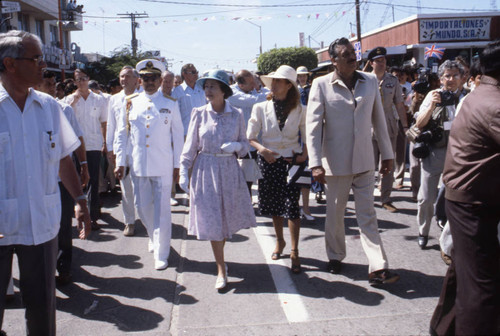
x: 279, y: 121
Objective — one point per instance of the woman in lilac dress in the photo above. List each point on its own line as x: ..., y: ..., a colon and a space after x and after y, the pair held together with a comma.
x: 219, y: 199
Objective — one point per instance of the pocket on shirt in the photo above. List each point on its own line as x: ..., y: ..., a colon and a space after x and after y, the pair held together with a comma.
x: 52, y: 147
x: 53, y: 207
x: 9, y: 217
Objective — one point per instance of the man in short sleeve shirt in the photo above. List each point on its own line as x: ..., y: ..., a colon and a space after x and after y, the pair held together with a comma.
x: 35, y: 142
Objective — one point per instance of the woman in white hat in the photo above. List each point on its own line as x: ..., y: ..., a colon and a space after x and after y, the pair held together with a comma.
x: 279, y: 121
x: 219, y: 199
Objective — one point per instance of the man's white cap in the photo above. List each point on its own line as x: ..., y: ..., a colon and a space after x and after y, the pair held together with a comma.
x: 150, y: 66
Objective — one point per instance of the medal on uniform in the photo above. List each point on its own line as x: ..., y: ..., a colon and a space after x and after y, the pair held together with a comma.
x: 166, y: 120
x: 53, y: 145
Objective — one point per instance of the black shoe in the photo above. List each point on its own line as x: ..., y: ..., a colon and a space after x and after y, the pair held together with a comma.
x: 319, y: 198
x: 382, y: 277
x: 94, y: 226
x: 3, y: 333
x: 63, y: 279
x: 422, y: 241
x: 334, y: 266
x: 441, y: 223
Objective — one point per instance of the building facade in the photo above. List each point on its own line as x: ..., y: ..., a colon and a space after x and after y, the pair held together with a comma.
x: 53, y: 22
x: 464, y: 34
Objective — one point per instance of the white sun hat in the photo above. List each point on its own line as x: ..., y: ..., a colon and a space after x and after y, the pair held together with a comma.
x: 283, y: 72
x: 302, y: 70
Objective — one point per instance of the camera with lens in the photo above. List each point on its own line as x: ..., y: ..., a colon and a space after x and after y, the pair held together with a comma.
x: 447, y: 98
x: 433, y: 133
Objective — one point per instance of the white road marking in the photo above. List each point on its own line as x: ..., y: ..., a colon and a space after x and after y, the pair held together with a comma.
x: 290, y: 299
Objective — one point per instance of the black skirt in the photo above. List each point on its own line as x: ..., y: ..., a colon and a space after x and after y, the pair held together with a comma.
x: 276, y: 197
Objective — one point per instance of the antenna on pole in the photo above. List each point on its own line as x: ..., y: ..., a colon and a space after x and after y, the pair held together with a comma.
x: 135, y: 25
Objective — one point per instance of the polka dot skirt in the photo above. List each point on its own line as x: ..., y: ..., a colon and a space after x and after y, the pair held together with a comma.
x: 276, y: 198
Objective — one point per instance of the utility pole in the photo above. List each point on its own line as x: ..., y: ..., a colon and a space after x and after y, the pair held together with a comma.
x: 358, y: 21
x: 135, y: 25
x: 61, y: 44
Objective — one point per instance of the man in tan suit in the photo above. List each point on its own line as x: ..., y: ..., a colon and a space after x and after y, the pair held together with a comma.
x: 343, y: 107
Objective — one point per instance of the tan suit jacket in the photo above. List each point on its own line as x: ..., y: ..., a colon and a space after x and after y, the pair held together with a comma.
x: 339, y: 125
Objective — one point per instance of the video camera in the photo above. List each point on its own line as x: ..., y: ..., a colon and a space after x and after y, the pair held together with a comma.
x: 422, y: 84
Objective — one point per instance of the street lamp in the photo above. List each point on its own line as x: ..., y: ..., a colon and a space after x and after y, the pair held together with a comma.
x: 260, y: 31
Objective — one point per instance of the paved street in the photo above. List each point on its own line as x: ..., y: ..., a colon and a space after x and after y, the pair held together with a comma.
x: 116, y: 290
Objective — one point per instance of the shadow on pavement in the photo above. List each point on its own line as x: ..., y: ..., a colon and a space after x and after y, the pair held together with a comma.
x: 93, y: 297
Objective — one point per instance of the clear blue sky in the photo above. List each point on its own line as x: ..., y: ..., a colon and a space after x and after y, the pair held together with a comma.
x: 210, y: 34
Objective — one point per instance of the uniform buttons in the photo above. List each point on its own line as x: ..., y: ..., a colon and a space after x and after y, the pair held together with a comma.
x: 147, y: 126
x: 148, y: 117
x: 147, y: 146
x: 147, y: 135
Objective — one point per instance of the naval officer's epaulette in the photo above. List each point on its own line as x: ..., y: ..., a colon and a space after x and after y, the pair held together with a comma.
x: 133, y: 95
x: 169, y: 97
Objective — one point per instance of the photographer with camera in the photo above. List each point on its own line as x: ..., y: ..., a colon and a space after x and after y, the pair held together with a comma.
x: 434, y: 121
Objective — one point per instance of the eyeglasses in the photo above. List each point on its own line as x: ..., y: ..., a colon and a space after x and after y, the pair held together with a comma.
x: 81, y: 79
x: 37, y: 59
x: 193, y: 72
x: 448, y: 77
x: 150, y: 78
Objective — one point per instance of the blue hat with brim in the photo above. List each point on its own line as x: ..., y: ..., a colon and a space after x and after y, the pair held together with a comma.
x: 220, y: 76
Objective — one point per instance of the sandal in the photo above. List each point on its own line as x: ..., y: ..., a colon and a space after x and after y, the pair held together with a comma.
x: 280, y: 245
x: 294, y: 256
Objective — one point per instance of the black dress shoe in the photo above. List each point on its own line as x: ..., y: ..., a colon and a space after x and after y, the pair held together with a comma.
x: 63, y: 279
x: 334, y: 266
x: 422, y: 241
x: 94, y: 226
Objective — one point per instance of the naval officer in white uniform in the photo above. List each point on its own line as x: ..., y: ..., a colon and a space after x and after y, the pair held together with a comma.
x: 151, y: 127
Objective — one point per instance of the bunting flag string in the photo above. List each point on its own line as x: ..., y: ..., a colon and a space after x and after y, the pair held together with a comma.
x: 307, y: 17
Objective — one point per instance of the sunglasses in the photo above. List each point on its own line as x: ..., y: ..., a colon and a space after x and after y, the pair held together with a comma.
x: 37, y: 59
x: 150, y: 78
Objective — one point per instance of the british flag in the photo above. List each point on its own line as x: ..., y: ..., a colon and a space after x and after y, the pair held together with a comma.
x: 434, y: 51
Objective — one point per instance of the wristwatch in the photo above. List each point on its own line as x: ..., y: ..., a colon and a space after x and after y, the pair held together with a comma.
x: 81, y: 197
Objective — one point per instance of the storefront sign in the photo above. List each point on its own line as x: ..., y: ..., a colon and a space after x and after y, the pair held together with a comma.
x: 458, y: 29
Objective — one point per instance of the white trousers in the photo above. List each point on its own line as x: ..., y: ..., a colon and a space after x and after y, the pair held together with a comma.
x: 152, y: 200
x: 128, y: 199
x: 337, y: 195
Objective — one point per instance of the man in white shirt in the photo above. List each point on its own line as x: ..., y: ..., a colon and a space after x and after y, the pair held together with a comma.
x: 167, y: 82
x: 245, y: 95
x: 35, y: 142
x: 91, y: 111
x: 167, y: 86
x: 150, y: 129
x: 65, y: 236
x: 128, y: 80
x: 188, y: 94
